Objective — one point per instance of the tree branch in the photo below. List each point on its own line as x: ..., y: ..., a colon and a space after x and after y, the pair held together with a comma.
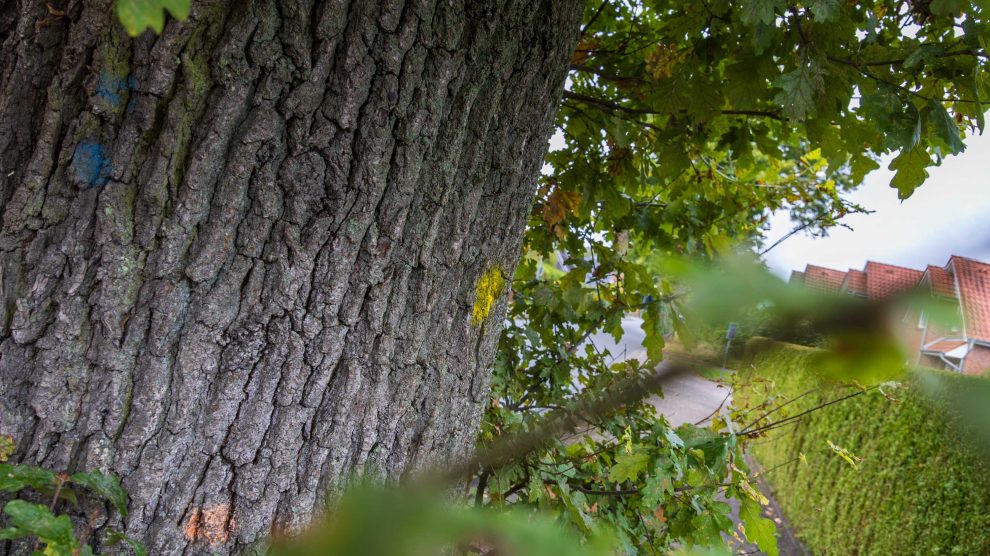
x: 615, y: 107
x: 598, y: 12
x: 479, y: 495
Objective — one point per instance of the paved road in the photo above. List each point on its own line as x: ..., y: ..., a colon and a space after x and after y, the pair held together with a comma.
x: 689, y: 398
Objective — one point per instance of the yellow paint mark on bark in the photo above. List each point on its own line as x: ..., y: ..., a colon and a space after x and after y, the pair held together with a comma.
x: 489, y: 288
x: 213, y: 524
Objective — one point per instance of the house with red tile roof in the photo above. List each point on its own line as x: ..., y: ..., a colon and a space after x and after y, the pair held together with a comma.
x: 820, y: 278
x: 886, y: 280
x: 961, y: 286
x: 854, y: 283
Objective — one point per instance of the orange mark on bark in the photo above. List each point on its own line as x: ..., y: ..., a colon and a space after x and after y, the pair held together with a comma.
x: 212, y: 525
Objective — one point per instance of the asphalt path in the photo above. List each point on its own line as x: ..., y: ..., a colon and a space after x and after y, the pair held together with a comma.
x: 687, y: 397
x: 691, y: 398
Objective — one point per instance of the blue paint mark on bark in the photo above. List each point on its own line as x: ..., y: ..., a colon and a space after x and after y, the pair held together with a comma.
x: 111, y: 87
x: 90, y: 164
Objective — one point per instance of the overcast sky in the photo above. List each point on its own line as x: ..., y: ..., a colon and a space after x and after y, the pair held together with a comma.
x: 948, y: 215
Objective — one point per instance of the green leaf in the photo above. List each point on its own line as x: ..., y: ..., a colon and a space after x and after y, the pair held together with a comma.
x: 37, y: 520
x: 762, y: 37
x: 754, y: 494
x: 706, y: 98
x: 800, y: 89
x: 747, y: 81
x: 138, y: 15
x: 924, y: 55
x: 849, y: 457
x: 15, y: 477
x: 653, y: 330
x: 107, y: 486
x: 910, y: 167
x: 759, y: 530
x: 658, y: 487
x: 116, y: 537
x: 947, y: 7
x: 12, y: 533
x: 672, y: 437
x: 628, y: 467
x: 573, y: 503
x: 945, y: 127
x: 860, y: 166
x: 825, y: 10
x: 761, y: 11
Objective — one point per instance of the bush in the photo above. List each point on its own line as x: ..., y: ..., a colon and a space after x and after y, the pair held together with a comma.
x: 921, y: 487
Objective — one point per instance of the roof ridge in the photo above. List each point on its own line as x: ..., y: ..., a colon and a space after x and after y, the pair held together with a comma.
x: 893, y: 265
x: 968, y: 259
x: 809, y: 265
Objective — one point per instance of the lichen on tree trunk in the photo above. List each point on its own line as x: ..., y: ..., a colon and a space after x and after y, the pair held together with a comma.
x: 241, y: 259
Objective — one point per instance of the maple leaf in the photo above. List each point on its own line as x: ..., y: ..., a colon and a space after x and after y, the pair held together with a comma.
x: 761, y: 11
x: 628, y: 467
x: 825, y: 10
x: 662, y: 60
x: 560, y: 203
x: 800, y: 89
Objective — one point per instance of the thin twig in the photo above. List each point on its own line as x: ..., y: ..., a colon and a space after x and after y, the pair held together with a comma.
x: 787, y: 236
x: 717, y: 409
x: 779, y: 407
x: 748, y: 432
x: 649, y: 534
x: 594, y: 17
x: 59, y: 481
x: 775, y: 467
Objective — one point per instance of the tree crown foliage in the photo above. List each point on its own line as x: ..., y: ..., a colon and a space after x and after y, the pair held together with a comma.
x: 683, y: 126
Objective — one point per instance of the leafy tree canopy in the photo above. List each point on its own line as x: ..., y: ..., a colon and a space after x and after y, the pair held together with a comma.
x: 684, y: 125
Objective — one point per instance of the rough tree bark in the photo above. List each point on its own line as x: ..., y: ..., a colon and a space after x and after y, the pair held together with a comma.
x: 240, y: 259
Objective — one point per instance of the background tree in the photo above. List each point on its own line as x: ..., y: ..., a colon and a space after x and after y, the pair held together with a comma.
x: 268, y: 248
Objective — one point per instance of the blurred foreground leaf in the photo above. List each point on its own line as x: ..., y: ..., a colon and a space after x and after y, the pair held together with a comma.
x: 107, y: 486
x: 967, y: 400
x: 16, y: 477
x: 35, y: 519
x: 138, y: 15
x: 414, y: 522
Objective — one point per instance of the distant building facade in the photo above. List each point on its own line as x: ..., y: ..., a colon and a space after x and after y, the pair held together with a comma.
x: 961, y: 285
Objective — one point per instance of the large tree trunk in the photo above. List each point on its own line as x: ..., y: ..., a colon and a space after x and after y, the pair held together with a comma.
x: 240, y: 259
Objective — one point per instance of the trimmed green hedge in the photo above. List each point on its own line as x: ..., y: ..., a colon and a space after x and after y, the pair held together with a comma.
x: 921, y: 488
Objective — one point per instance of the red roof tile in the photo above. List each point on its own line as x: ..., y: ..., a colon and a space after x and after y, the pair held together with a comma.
x: 943, y: 346
x: 855, y: 282
x: 973, y: 278
x: 823, y: 279
x: 940, y: 281
x: 885, y: 280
